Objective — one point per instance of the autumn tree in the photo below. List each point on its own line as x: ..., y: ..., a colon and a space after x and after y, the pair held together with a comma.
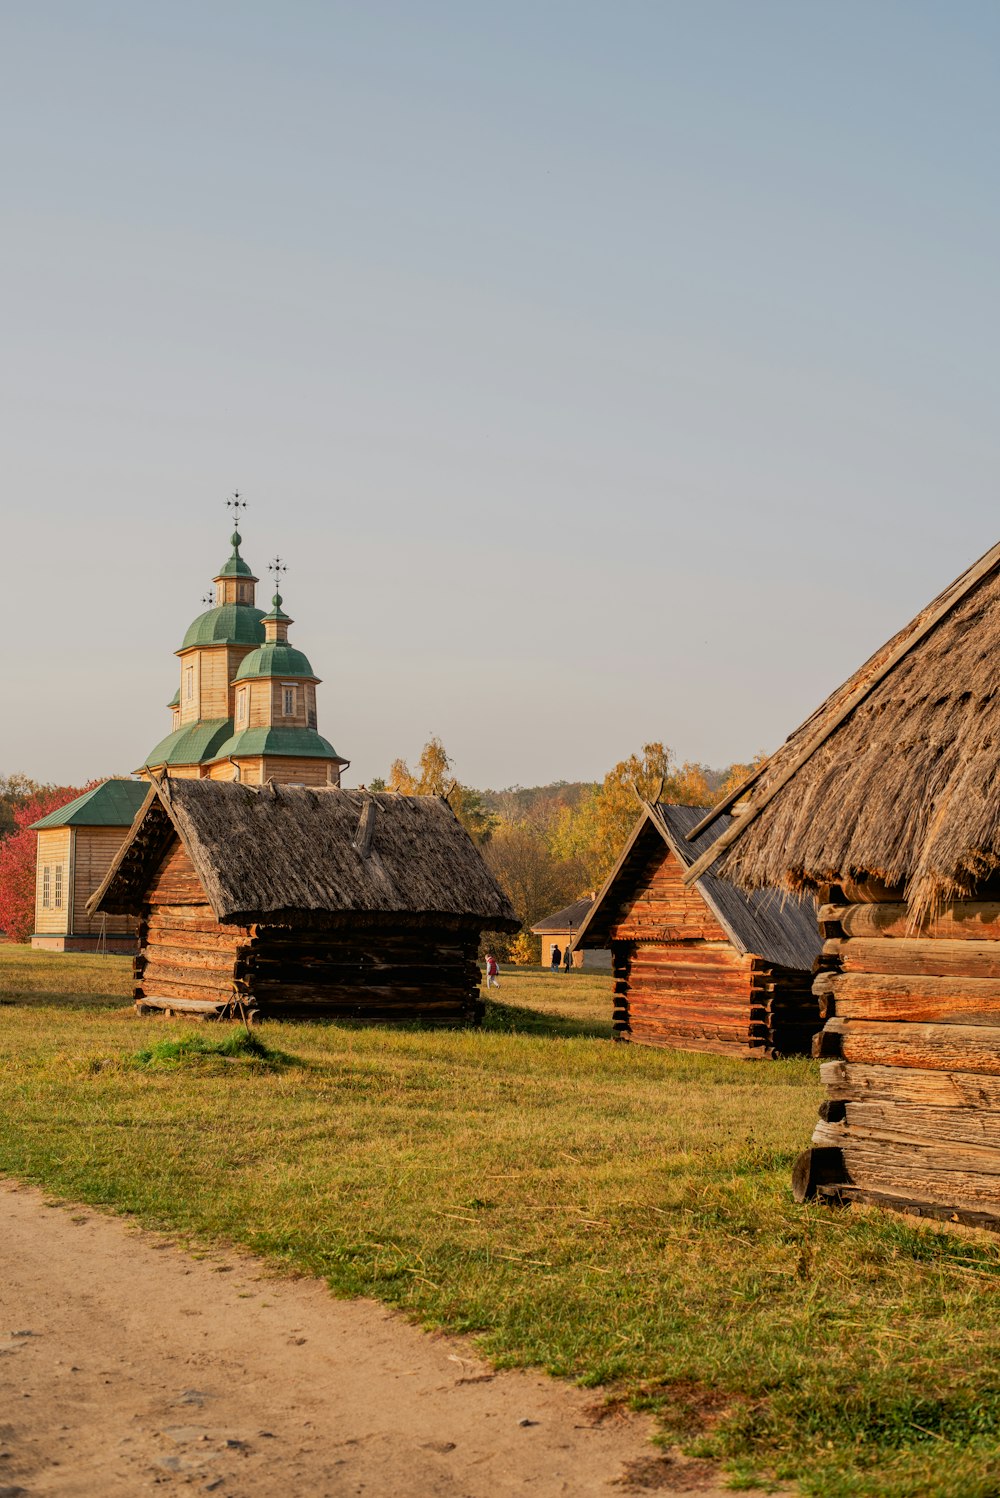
x: 15, y: 791
x: 597, y: 829
x: 534, y: 881
x: 17, y: 858
x: 433, y: 777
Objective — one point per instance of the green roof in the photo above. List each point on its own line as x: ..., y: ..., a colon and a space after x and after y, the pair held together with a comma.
x: 229, y: 624
x: 175, y: 700
x: 303, y: 742
x: 191, y: 745
x: 235, y: 567
x: 113, y: 804
x: 275, y: 659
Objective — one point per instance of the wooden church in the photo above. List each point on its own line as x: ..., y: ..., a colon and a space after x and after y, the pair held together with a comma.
x: 245, y: 709
x: 705, y: 968
x: 886, y: 805
x: 285, y: 901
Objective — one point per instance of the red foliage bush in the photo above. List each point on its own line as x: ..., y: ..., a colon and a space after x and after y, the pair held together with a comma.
x: 17, y: 859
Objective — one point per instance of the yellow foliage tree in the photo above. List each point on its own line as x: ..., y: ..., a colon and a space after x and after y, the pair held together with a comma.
x: 433, y: 777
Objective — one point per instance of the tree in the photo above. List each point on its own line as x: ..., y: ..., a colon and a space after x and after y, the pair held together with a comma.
x: 15, y: 791
x: 433, y: 777
x: 17, y: 858
x: 534, y: 879
x: 597, y: 830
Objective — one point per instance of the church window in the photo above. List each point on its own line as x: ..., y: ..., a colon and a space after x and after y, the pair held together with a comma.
x: 46, y: 887
x: 241, y: 592
x: 57, y: 901
x: 241, y: 705
x: 288, y: 699
x: 189, y: 682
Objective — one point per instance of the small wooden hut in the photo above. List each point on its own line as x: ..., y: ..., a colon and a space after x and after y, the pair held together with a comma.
x: 886, y: 802
x: 76, y: 847
x: 705, y: 968
x: 562, y: 927
x: 292, y: 901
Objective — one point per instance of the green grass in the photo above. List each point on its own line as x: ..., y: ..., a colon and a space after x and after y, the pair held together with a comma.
x: 619, y: 1216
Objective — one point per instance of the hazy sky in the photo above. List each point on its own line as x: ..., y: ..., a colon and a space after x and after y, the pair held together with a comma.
x: 604, y: 372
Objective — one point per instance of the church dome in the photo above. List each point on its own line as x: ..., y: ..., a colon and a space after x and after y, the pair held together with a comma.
x: 276, y: 658
x: 229, y: 624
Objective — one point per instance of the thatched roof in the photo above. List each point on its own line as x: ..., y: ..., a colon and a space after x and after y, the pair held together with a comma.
x: 897, y: 775
x: 293, y: 854
x: 768, y: 923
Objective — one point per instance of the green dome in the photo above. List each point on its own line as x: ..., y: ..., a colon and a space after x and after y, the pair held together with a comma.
x: 235, y: 567
x: 300, y: 743
x: 191, y: 745
x: 274, y: 659
x: 229, y: 624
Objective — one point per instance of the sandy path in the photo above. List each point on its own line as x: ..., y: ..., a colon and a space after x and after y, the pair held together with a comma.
x: 127, y: 1365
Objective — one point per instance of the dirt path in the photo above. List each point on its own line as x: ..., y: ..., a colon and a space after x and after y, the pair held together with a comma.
x: 128, y: 1366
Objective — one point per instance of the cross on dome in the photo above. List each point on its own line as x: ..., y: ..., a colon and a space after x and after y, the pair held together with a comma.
x: 277, y: 568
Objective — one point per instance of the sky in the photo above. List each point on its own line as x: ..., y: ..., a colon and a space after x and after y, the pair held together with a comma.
x: 604, y: 372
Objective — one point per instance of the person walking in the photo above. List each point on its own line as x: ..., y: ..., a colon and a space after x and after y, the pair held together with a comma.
x: 492, y: 971
x: 555, y: 959
x: 567, y: 958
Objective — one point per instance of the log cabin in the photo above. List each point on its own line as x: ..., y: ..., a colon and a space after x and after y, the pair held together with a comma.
x: 886, y: 805
x: 705, y: 968
x: 297, y: 902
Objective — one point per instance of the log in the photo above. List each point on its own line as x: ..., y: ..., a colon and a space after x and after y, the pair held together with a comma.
x: 184, y: 1005
x: 962, y: 920
x: 816, y: 1167
x: 910, y: 1171
x: 962, y: 1001
x: 915, y: 956
x: 970, y: 1048
x: 949, y: 1089
x: 879, y: 1118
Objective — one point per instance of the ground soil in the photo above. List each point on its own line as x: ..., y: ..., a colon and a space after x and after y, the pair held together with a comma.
x: 129, y: 1365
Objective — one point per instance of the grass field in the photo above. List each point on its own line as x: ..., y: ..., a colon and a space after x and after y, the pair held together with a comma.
x: 617, y: 1215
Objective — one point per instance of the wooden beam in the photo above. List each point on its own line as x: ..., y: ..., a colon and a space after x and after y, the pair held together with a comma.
x: 944, y: 605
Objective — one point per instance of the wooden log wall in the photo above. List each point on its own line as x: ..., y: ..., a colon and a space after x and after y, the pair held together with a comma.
x: 184, y: 952
x: 372, y: 974
x: 911, y: 1046
x: 679, y: 982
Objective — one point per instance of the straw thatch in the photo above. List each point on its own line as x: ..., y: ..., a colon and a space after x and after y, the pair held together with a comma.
x: 897, y: 776
x: 289, y: 855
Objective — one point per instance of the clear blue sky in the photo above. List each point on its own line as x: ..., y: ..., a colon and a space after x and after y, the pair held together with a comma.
x: 605, y: 372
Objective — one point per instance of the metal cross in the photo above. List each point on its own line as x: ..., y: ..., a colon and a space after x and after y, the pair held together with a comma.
x: 208, y: 598
x: 236, y: 505
x: 277, y: 567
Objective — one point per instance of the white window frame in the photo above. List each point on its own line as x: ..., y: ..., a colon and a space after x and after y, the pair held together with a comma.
x: 46, y: 887
x: 57, y: 888
x: 288, y: 695
x: 241, y: 706
x: 188, y: 683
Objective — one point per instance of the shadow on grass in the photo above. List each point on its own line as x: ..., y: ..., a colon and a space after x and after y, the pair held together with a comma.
x: 52, y: 999
x: 512, y: 1019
